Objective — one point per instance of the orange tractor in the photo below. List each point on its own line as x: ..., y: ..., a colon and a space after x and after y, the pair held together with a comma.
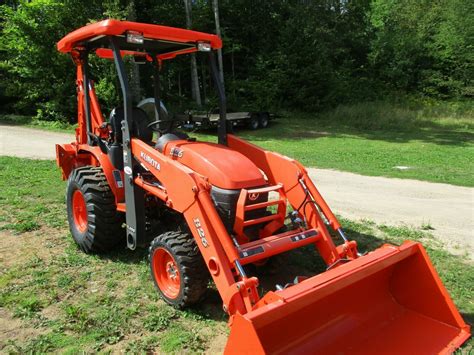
x: 222, y: 207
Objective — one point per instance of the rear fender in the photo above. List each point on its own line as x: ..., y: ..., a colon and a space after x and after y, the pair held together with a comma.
x: 114, y: 176
x: 73, y: 156
x: 66, y: 158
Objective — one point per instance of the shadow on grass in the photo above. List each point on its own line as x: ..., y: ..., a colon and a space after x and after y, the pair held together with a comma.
x: 126, y: 256
x: 209, y: 308
x: 288, y: 131
x: 468, y: 317
x: 283, y: 269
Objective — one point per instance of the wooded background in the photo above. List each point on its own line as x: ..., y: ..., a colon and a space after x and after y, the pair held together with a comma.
x: 304, y: 55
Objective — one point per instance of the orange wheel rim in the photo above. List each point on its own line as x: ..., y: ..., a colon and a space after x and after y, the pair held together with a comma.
x: 79, y: 211
x: 166, y: 273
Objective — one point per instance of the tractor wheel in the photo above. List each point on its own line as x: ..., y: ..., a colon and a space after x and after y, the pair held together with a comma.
x: 263, y: 120
x: 253, y: 122
x: 94, y: 222
x: 178, y: 269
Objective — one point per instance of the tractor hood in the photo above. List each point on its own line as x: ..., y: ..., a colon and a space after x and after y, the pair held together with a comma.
x: 225, y: 168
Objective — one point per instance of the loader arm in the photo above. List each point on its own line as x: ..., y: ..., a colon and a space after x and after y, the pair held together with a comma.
x: 294, y: 178
x: 191, y: 198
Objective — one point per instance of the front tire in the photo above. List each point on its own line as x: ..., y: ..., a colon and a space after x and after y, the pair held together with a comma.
x: 178, y: 269
x: 94, y: 221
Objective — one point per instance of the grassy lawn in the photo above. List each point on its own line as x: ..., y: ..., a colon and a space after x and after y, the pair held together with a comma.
x: 57, y: 299
x: 376, y: 154
x: 433, y: 140
x: 436, y: 144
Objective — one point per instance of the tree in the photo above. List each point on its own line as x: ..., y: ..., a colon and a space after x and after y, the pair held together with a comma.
x: 304, y: 54
x: 194, y: 73
x: 40, y: 78
x: 215, y: 6
x: 424, y: 46
x: 135, y: 77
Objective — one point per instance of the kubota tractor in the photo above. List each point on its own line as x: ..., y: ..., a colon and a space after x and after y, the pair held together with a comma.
x: 223, y: 206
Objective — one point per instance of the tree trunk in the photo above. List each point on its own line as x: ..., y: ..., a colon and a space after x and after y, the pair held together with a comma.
x: 194, y: 73
x: 135, y: 75
x: 233, y: 70
x: 203, y: 78
x: 215, y: 5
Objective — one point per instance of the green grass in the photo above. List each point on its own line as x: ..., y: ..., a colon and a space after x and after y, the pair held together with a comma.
x: 71, y: 294
x: 377, y: 154
x: 436, y: 143
x: 32, y: 195
x: 87, y: 303
x: 97, y: 301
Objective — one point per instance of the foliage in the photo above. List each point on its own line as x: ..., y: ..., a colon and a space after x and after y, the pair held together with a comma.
x: 425, y: 45
x: 308, y: 55
x: 38, y: 75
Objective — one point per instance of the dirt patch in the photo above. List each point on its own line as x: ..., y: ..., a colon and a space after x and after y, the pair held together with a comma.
x: 19, y: 248
x: 217, y: 343
x: 12, y: 329
x: 52, y: 312
x: 15, y: 251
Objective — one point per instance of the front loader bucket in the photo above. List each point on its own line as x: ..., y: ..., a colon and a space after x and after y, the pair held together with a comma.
x: 389, y: 301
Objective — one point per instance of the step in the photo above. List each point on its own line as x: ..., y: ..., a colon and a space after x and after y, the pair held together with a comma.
x: 276, y: 244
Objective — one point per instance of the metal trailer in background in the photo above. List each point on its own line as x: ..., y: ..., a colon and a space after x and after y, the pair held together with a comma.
x: 209, y: 119
x: 250, y: 119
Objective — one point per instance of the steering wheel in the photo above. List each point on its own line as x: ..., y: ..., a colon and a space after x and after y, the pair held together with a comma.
x: 157, y: 129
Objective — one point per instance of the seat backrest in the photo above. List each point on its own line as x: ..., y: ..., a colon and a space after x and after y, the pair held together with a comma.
x: 148, y: 105
x: 139, y: 127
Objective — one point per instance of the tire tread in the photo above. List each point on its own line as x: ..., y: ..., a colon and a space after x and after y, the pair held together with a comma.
x: 192, y: 268
x: 104, y: 221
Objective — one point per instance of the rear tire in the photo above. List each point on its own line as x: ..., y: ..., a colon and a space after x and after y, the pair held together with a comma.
x: 178, y: 269
x: 94, y: 221
x: 253, y: 122
x: 263, y: 120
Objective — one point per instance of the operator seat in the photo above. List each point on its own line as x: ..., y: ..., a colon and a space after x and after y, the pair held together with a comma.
x: 139, y: 127
x: 138, y: 130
